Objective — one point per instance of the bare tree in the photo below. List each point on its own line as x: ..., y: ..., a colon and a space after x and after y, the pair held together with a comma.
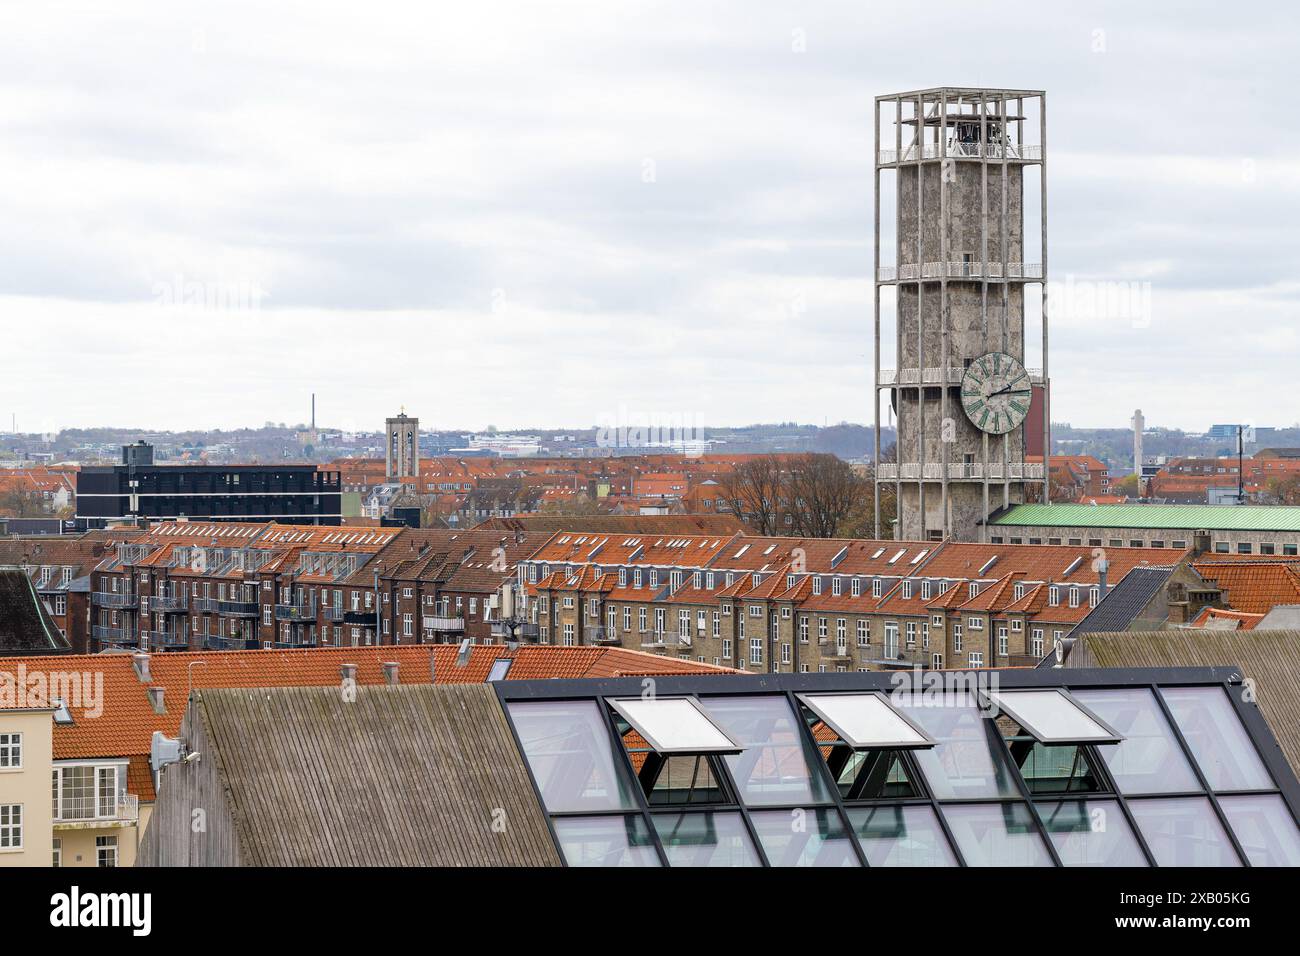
x: 754, y: 491
x: 822, y: 493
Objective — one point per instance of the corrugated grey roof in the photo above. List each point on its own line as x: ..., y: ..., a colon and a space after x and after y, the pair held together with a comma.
x: 402, y: 776
x: 1270, y: 658
x: 1124, y: 601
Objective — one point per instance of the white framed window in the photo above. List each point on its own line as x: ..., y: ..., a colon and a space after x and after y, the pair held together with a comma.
x: 11, y: 826
x: 976, y: 658
x: 1094, y: 597
x: 841, y: 629
x: 717, y: 623
x: 909, y: 633
x: 106, y: 851
x: 1053, y: 595
x: 936, y: 661
x: 756, y: 650
x: 925, y: 590
x: 975, y: 623
x: 864, y: 632
x: 726, y: 648
x: 817, y: 585
x: 569, y: 635
x: 11, y: 751
x: 1003, y: 642
x: 1036, y: 638
x: 956, y: 637
x: 876, y: 586
x: 821, y: 627
x: 803, y: 628
x: 907, y: 589
x: 58, y: 853
x: 837, y: 586
x: 856, y: 587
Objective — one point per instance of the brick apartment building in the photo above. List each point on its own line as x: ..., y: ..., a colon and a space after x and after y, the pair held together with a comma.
x: 804, y: 605
x: 224, y: 586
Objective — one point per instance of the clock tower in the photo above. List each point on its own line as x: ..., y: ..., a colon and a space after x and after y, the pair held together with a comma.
x: 960, y: 162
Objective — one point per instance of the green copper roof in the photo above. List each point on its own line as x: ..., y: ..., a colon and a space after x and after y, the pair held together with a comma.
x: 1188, y: 517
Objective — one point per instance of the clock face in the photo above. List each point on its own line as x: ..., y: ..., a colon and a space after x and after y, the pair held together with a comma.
x: 995, y: 393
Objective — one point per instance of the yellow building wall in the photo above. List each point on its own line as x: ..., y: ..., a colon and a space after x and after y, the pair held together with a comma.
x: 29, y: 786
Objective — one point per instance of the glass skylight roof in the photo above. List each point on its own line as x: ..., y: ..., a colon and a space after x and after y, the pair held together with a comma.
x: 674, y: 725
x: 1070, y: 768
x: 1053, y: 717
x: 866, y: 721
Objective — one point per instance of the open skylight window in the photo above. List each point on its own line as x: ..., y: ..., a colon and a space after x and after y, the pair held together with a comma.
x: 1054, y: 717
x: 674, y: 725
x: 866, y: 721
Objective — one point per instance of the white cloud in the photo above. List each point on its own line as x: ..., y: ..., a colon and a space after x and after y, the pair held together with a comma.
x: 525, y: 213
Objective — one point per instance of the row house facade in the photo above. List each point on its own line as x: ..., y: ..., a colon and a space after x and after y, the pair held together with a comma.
x: 816, y: 605
x: 231, y: 587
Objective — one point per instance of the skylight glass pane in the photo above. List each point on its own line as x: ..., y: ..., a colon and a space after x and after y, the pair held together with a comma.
x: 1217, y: 739
x: 606, y: 841
x: 962, y: 765
x: 865, y: 721
x: 706, y: 839
x: 1264, y: 828
x: 901, y: 836
x: 777, y: 765
x: 673, y: 725
x: 804, y: 837
x: 1183, y: 832
x: 1091, y: 833
x: 1149, y: 759
x: 1051, y: 716
x: 571, y: 755
x: 997, y: 834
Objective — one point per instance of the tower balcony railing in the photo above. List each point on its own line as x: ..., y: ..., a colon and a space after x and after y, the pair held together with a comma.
x: 961, y: 471
x: 936, y: 376
x: 911, y: 271
x: 1013, y: 152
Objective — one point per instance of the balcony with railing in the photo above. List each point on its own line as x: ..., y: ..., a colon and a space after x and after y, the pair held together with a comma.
x: 443, y: 623
x: 657, y: 639
x: 213, y: 643
x: 332, y: 613
x: 894, y: 377
x: 961, y: 471
x: 114, y: 599
x: 167, y: 604
x: 911, y: 271
x: 303, y: 611
x: 96, y: 811
x: 168, y: 640
x: 114, y: 635
x: 238, y: 608
x: 1012, y: 152
x: 206, y: 605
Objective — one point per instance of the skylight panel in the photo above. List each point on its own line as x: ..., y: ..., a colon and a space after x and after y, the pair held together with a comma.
x: 740, y: 552
x: 878, y: 553
x: 674, y: 725
x: 986, y: 565
x: 770, y: 549
x: 897, y: 555
x: 866, y: 721
x: 1073, y: 565
x: 919, y: 556
x: 1054, y: 717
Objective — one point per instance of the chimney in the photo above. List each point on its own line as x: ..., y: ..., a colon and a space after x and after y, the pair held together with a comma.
x: 156, y: 700
x: 1200, y: 543
x: 140, y: 662
x: 390, y: 673
x: 348, y: 671
x: 1102, y: 567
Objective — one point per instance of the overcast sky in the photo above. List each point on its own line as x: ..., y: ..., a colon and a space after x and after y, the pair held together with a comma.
x: 579, y: 213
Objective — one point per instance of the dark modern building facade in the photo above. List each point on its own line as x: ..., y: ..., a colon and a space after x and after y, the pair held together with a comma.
x: 289, y: 494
